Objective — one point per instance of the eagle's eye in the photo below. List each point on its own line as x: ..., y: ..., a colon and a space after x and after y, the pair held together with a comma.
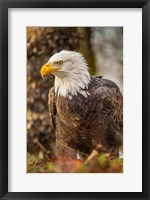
x: 58, y: 63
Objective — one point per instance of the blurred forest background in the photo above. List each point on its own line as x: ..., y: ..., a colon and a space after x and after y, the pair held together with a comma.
x: 103, y: 50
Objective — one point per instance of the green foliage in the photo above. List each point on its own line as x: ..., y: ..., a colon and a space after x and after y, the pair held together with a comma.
x: 100, y: 164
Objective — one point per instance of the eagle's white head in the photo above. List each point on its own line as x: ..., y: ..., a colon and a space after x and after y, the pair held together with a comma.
x: 71, y: 73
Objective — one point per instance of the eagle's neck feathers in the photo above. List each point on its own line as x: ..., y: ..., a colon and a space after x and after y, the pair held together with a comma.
x: 73, y: 83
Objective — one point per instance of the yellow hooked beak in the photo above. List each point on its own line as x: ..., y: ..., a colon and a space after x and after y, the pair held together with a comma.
x: 48, y: 69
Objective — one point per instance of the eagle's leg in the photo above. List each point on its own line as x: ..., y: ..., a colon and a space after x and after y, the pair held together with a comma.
x: 66, y: 153
x: 114, y: 153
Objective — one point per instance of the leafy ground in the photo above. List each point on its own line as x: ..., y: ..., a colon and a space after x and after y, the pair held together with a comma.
x: 100, y: 164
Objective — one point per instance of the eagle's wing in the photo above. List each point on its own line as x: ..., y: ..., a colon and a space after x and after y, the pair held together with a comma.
x: 111, y: 102
x: 52, y: 106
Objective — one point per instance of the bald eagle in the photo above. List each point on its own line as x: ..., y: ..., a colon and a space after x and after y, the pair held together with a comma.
x: 86, y: 111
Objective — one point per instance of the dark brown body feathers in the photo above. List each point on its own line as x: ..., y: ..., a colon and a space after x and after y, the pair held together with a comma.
x: 84, y: 123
